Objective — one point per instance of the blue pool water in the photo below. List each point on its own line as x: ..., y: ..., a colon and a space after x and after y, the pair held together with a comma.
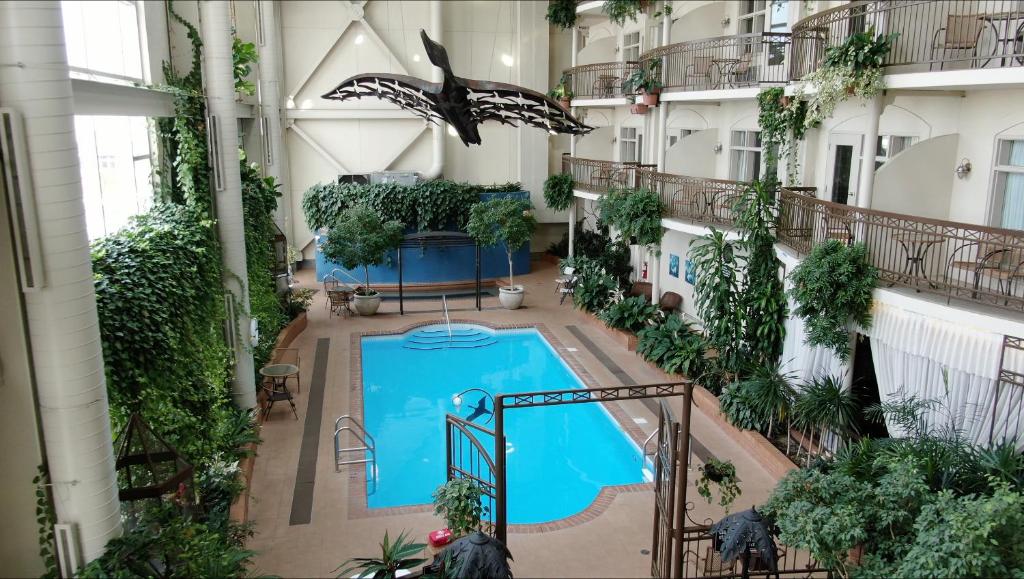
x: 559, y: 457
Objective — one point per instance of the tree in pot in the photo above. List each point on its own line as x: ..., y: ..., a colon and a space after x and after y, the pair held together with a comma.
x: 396, y: 560
x: 509, y: 222
x: 361, y: 239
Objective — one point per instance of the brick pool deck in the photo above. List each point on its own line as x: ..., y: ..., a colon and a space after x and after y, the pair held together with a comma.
x: 308, y: 519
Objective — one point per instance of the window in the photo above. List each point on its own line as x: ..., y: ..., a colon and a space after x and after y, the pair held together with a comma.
x: 676, y: 135
x: 1009, y: 184
x: 745, y: 155
x: 752, y: 15
x: 105, y: 40
x: 630, y: 145
x: 115, y: 156
x: 889, y: 146
x: 631, y: 46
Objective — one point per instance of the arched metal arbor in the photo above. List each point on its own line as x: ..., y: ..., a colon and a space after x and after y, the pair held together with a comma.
x: 437, y: 239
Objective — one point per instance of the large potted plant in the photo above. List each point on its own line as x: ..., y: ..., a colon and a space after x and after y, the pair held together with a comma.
x: 563, y: 92
x: 645, y: 82
x: 361, y: 239
x: 506, y: 221
x: 458, y: 501
x: 397, y: 559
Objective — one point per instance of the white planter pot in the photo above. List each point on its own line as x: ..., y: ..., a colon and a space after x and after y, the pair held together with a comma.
x: 511, y: 297
x: 366, y: 305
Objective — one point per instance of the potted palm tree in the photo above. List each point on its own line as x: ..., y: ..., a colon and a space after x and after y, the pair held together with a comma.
x: 361, y: 239
x: 397, y: 559
x: 509, y: 222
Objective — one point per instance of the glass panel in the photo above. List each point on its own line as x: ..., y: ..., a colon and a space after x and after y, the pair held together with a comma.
x: 103, y: 38
x: 736, y: 139
x: 1011, y: 153
x: 841, y: 173
x: 1013, y: 200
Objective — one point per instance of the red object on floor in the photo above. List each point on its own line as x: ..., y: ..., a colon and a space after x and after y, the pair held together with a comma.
x: 439, y: 537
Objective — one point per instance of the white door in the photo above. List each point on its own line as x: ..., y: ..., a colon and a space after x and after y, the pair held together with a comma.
x: 842, y: 170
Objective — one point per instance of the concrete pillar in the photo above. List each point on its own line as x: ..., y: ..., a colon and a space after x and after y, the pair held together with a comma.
x: 63, y: 324
x: 275, y: 158
x: 220, y: 97
x: 572, y: 227
x: 666, y: 36
x: 655, y: 273
x: 869, y: 150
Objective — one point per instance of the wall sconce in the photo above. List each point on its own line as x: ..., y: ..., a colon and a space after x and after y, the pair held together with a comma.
x: 726, y: 21
x: 717, y: 148
x: 963, y: 169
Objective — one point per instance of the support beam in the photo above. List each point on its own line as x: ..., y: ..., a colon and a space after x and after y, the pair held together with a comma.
x: 869, y: 150
x: 572, y: 227
x: 63, y: 323
x: 220, y: 94
x: 318, y: 148
x: 666, y: 39
x: 275, y: 158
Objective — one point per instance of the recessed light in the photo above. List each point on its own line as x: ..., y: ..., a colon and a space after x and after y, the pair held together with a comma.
x: 507, y: 60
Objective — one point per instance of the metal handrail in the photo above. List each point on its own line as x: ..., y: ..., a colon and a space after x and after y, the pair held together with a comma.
x: 643, y: 449
x: 345, y: 273
x: 358, y: 431
x: 448, y: 320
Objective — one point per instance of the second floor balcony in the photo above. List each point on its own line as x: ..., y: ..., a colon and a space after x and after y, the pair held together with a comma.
x: 930, y: 35
x: 978, y: 264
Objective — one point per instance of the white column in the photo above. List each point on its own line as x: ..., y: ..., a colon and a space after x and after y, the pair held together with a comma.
x: 437, y: 130
x: 869, y: 150
x: 532, y: 70
x: 220, y: 98
x: 666, y: 35
x: 572, y: 138
x: 572, y: 227
x: 63, y: 323
x: 655, y: 274
x: 275, y: 158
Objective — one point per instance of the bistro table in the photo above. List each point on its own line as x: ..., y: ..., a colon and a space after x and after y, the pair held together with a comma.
x: 725, y: 67
x: 915, y: 249
x: 279, y: 375
x: 1009, y: 36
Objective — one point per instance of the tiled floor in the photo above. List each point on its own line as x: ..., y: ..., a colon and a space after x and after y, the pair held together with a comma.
x: 609, y: 545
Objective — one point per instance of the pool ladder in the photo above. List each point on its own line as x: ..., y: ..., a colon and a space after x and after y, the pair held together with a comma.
x: 346, y: 423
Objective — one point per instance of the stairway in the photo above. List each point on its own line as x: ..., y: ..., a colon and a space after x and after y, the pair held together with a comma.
x: 439, y: 339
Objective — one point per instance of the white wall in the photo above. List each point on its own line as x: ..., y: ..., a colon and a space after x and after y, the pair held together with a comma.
x: 698, y: 20
x: 693, y: 155
x: 677, y: 243
x: 910, y: 183
x: 478, y: 36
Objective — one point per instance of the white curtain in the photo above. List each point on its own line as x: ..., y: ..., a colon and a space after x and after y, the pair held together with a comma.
x: 804, y: 361
x: 955, y: 365
x: 1013, y: 192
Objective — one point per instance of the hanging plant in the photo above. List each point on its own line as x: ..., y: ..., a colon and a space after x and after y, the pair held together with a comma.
x: 636, y: 213
x: 619, y: 10
x: 645, y: 82
x: 562, y: 13
x: 563, y: 91
x: 558, y: 191
x: 783, y: 123
x: 832, y: 288
x: 721, y: 474
x: 852, y: 69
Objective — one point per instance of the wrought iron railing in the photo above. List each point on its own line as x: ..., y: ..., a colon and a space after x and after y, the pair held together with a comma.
x: 601, y: 176
x: 701, y: 558
x: 956, y: 260
x: 725, y: 62
x: 710, y: 201
x: 981, y: 264
x: 931, y: 35
x: 603, y: 80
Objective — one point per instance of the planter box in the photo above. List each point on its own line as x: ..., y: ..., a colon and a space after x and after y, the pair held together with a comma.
x: 627, y: 339
x: 239, y: 512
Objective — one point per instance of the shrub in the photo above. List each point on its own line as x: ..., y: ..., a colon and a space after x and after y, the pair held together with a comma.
x: 761, y: 401
x: 673, y: 346
x: 558, y: 191
x: 635, y: 213
x: 595, y: 288
x: 630, y: 314
x: 716, y: 295
x: 361, y: 239
x: 832, y: 287
x: 458, y: 501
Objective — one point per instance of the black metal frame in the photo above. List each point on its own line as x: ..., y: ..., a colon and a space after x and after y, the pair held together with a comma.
x: 436, y: 239
x: 587, y: 395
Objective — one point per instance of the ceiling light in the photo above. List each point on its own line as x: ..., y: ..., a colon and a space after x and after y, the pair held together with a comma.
x: 507, y: 60
x: 360, y: 38
x: 452, y: 131
x: 415, y: 58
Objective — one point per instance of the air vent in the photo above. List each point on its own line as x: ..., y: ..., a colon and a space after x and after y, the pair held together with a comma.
x: 17, y: 185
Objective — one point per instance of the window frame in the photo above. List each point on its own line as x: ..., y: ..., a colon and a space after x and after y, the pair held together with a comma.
x: 996, y: 195
x: 758, y: 151
x: 637, y: 140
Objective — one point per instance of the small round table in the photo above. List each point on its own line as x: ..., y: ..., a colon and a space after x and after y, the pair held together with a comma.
x: 279, y: 374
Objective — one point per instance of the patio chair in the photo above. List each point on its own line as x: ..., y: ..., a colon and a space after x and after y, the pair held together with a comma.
x: 670, y: 302
x: 565, y: 278
x: 275, y: 395
x: 569, y: 289
x: 699, y: 71
x: 289, y: 356
x: 996, y: 262
x: 605, y: 85
x: 739, y: 72
x: 330, y: 284
x: 339, y: 301
x: 641, y: 288
x: 961, y: 34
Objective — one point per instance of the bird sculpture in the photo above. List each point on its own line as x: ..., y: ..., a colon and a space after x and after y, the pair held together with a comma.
x: 737, y: 535
x: 460, y: 102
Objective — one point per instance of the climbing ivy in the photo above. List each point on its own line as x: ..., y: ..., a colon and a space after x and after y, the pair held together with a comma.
x: 782, y: 121
x: 46, y: 518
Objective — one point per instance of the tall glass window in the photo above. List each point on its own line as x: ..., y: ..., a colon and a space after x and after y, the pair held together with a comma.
x: 1009, y: 183
x: 745, y: 155
x: 105, y: 40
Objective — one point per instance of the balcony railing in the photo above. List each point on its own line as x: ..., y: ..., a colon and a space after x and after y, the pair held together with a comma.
x: 951, y: 34
x: 603, y: 80
x: 981, y: 264
x: 956, y: 260
x: 726, y: 62
x: 698, y: 199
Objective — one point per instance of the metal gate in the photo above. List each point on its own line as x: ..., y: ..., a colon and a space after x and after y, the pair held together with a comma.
x: 665, y: 466
x: 467, y: 458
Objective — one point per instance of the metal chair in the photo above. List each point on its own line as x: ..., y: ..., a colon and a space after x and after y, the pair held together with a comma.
x: 700, y: 68
x: 736, y: 73
x: 330, y: 284
x: 339, y: 301
x: 565, y: 278
x: 276, y: 395
x: 569, y: 289
x: 962, y: 32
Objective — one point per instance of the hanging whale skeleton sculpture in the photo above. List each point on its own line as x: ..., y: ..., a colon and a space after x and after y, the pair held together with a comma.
x: 460, y: 102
